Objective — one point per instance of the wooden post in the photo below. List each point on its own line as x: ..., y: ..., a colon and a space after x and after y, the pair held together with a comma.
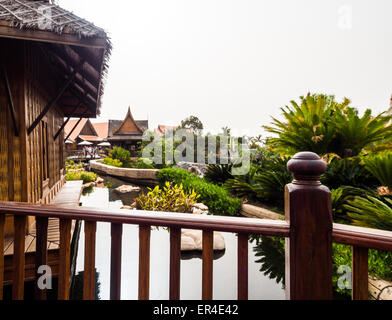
x: 309, y: 247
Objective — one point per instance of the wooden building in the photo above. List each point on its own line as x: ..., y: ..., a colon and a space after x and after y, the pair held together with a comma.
x: 127, y: 133
x: 77, y: 131
x: 52, y: 66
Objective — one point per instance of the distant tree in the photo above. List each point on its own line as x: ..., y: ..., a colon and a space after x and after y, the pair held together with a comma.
x: 192, y: 123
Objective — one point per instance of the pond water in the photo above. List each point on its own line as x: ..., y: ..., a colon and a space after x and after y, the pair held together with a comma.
x: 225, y: 264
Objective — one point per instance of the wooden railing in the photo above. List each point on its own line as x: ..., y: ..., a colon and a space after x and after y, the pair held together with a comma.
x: 308, y: 230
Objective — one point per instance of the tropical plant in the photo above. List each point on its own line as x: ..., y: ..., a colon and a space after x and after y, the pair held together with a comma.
x: 380, y: 166
x: 348, y: 172
x: 215, y: 197
x: 265, y: 183
x: 340, y: 198
x: 322, y: 125
x: 370, y: 211
x: 170, y: 198
x: 218, y: 173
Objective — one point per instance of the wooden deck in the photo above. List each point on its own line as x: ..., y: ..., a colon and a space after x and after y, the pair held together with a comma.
x: 69, y: 196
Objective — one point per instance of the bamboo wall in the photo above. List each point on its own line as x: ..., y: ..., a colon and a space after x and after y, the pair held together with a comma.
x: 39, y: 91
x: 21, y: 157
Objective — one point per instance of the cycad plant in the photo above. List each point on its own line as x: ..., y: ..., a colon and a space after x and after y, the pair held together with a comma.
x: 322, y: 125
x: 380, y: 166
x: 372, y: 212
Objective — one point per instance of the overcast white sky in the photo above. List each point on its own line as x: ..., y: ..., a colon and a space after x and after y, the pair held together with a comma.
x: 236, y: 62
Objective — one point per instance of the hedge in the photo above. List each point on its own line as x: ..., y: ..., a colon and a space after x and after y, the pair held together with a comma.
x: 215, y: 197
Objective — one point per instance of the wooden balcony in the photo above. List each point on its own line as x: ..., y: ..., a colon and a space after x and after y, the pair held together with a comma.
x: 308, y: 230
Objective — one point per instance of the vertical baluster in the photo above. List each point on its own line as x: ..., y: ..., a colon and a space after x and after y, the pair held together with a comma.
x: 144, y: 262
x: 208, y: 259
x: 115, y: 261
x: 89, y: 260
x: 41, y: 225
x: 2, y: 223
x: 19, y: 258
x: 242, y: 266
x: 359, y: 273
x: 175, y: 263
x: 65, y: 259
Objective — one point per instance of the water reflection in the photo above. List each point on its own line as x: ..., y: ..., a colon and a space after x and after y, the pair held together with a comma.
x: 225, y: 262
x: 271, y: 257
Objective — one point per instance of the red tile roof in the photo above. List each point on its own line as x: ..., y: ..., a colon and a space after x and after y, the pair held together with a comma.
x: 102, y: 129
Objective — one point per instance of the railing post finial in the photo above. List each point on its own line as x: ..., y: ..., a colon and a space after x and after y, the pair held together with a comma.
x: 309, y: 213
x: 306, y: 167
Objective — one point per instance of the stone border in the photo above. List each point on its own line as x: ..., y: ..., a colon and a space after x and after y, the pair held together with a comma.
x: 252, y: 211
x: 143, y: 176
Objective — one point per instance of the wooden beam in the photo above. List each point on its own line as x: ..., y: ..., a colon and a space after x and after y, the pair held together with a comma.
x: 66, y: 121
x: 9, y: 98
x: 52, y: 102
x: 77, y: 123
x: 47, y: 36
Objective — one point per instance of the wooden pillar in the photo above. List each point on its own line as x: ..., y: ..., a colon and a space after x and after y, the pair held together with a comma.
x: 309, y: 248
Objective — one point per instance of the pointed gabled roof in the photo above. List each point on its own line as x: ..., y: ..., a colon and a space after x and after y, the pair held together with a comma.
x: 129, y: 125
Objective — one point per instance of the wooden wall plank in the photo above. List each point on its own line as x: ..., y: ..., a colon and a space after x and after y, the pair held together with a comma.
x: 19, y: 257
x: 2, y: 235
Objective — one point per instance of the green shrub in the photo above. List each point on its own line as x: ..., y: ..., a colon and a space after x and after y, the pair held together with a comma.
x: 113, y: 162
x: 215, y: 197
x: 122, y: 155
x: 88, y: 177
x: 144, y: 163
x: 380, y: 166
x: 71, y: 165
x: 80, y: 175
x: 170, y: 198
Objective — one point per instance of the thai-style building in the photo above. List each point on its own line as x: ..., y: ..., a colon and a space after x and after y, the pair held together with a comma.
x: 127, y: 133
x: 52, y: 66
x: 77, y: 131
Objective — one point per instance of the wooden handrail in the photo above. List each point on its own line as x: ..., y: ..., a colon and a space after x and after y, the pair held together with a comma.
x: 162, y: 219
x: 362, y: 237
x: 308, y: 228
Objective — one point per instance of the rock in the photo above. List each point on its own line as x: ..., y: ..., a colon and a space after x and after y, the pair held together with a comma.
x: 197, y: 168
x: 126, y: 207
x: 197, y: 211
x: 127, y: 189
x: 88, y: 185
x: 252, y: 211
x: 193, y: 240
x: 99, y: 180
x: 200, y: 206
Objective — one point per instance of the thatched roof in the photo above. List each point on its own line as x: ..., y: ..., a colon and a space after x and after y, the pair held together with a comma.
x: 70, y: 43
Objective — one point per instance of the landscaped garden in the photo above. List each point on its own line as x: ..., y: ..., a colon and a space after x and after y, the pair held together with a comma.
x: 357, y: 149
